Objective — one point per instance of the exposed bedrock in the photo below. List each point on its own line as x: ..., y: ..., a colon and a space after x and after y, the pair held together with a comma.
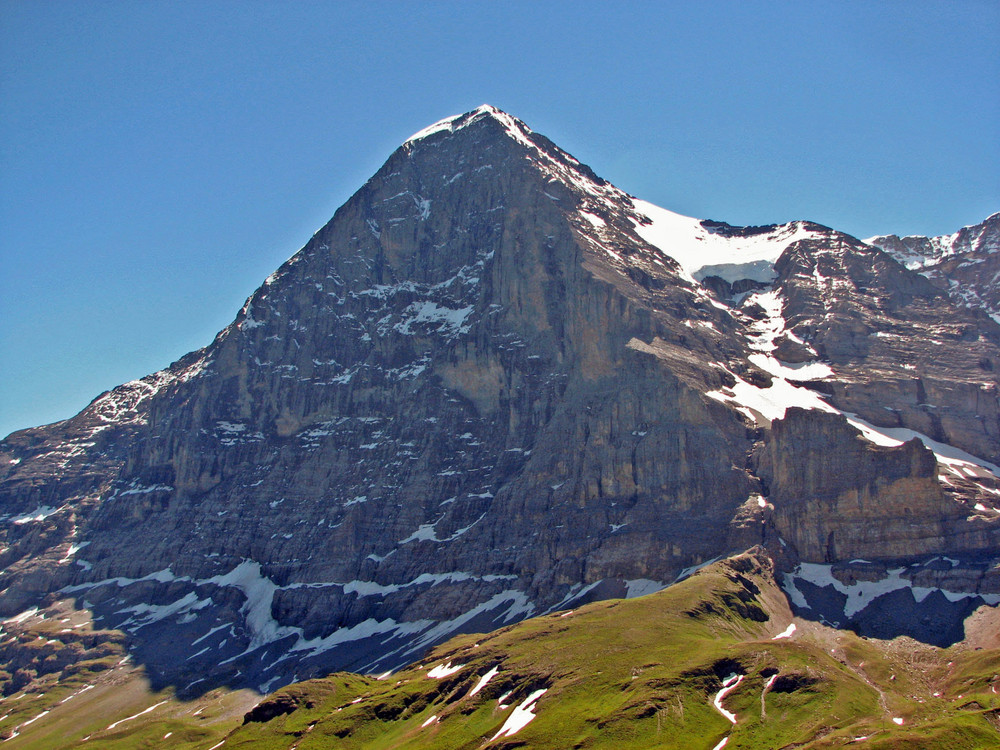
x: 838, y: 496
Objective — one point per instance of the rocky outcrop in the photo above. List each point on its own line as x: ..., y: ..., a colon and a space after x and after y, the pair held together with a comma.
x: 837, y: 496
x: 56, y: 643
x: 902, y: 354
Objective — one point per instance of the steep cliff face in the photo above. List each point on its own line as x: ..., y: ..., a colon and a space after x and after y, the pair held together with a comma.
x: 838, y: 496
x: 379, y: 443
x: 490, y: 387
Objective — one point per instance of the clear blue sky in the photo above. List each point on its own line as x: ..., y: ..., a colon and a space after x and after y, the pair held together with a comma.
x: 159, y: 159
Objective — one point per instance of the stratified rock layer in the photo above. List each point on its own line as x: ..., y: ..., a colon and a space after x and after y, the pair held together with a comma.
x: 841, y: 497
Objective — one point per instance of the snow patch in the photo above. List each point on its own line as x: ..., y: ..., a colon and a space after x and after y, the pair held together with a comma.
x: 145, y: 490
x: 444, y: 670
x: 259, y: 592
x: 447, y: 320
x: 771, y: 403
x: 862, y: 593
x: 691, y: 570
x: 641, y: 587
x: 484, y: 680
x: 424, y: 533
x: 786, y: 633
x: 146, y: 614
x: 26, y: 615
x: 702, y: 252
x: 38, y: 514
x: 797, y: 371
x: 136, y: 716
x: 954, y: 459
x: 520, y: 716
x: 728, y: 685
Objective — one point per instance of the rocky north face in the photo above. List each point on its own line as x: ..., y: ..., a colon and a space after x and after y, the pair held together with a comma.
x: 495, y: 385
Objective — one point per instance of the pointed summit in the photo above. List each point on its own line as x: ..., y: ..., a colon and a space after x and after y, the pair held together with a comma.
x: 516, y: 128
x: 373, y: 452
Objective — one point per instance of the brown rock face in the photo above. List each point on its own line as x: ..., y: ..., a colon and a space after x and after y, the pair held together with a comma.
x: 474, y: 396
x: 839, y: 497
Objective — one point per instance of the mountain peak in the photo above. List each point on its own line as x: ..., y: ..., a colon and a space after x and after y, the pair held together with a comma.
x: 514, y: 127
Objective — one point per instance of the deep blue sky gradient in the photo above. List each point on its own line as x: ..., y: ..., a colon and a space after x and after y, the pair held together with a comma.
x: 159, y: 159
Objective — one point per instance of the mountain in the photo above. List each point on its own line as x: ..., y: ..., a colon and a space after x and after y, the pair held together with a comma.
x: 495, y: 386
x: 963, y: 264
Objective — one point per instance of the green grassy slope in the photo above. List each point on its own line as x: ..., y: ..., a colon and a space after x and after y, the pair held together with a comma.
x: 643, y: 673
x: 639, y: 673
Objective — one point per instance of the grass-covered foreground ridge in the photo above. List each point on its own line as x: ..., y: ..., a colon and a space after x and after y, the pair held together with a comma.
x: 645, y: 673
x: 709, y: 660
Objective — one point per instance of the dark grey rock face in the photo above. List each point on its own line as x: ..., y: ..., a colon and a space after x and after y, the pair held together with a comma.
x: 476, y: 395
x: 920, y: 600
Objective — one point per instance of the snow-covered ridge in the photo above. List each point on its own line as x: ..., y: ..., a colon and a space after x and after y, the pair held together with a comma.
x: 702, y: 252
x: 917, y: 252
x: 121, y: 405
x: 455, y: 123
x: 963, y: 264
